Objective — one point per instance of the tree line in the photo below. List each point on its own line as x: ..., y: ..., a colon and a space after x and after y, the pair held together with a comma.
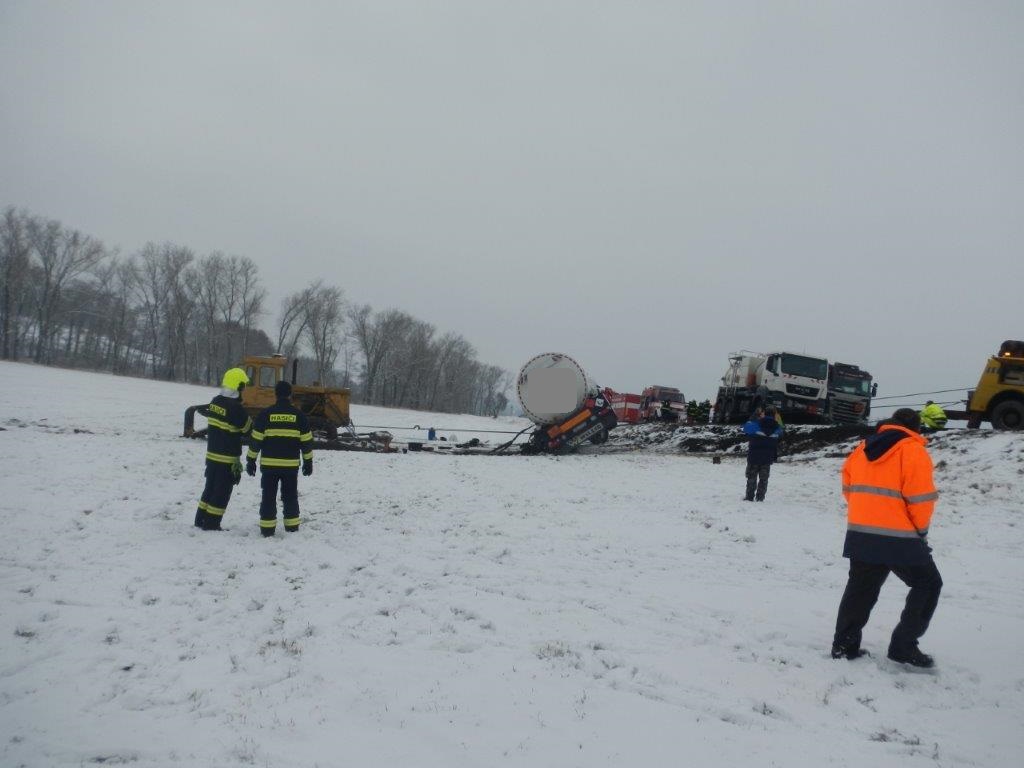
x: 166, y: 312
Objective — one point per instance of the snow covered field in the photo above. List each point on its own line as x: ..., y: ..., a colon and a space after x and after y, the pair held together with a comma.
x: 597, y: 610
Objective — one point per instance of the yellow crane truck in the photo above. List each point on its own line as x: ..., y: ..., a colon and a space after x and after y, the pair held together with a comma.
x: 326, y: 407
x: 999, y: 396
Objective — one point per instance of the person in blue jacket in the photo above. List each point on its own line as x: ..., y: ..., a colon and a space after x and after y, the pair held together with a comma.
x: 764, y: 431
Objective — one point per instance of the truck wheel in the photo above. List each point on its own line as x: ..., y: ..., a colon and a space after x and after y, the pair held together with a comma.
x: 600, y: 437
x: 1009, y: 414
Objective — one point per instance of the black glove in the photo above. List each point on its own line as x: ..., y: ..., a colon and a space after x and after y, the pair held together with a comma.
x: 236, y: 471
x: 250, y: 467
x: 307, y: 468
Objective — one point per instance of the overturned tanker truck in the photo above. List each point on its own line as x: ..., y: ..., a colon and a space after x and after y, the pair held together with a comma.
x: 566, y: 406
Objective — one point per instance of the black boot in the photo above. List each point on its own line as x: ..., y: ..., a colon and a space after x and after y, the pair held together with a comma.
x: 840, y: 651
x: 913, y: 657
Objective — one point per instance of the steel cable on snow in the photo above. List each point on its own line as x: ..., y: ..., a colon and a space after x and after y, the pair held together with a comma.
x: 445, y: 429
x: 918, y: 405
x: 918, y: 394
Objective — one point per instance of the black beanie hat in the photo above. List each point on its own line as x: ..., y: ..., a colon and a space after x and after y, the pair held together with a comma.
x: 907, y: 417
x: 283, y: 390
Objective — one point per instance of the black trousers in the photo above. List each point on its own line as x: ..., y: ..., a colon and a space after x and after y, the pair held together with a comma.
x: 861, y: 594
x: 288, y: 480
x: 220, y: 481
x: 757, y: 479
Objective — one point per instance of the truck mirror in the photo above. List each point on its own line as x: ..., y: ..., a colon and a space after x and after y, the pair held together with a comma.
x: 874, y: 390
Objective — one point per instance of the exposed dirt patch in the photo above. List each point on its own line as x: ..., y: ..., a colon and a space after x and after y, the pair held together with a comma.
x: 796, y: 439
x: 807, y: 440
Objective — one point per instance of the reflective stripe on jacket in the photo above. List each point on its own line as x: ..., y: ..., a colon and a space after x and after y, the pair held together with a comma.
x: 890, y: 494
x: 226, y: 421
x: 281, y: 434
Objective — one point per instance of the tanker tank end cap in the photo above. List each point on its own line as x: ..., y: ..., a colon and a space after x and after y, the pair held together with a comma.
x: 551, y: 390
x: 552, y: 387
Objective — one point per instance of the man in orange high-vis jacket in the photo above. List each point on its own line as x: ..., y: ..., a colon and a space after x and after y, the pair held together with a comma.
x: 890, y: 495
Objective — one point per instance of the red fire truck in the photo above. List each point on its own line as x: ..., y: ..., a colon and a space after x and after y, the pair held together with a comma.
x: 662, y: 404
x: 626, y: 407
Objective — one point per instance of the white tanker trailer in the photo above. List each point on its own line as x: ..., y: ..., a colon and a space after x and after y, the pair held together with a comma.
x: 568, y: 408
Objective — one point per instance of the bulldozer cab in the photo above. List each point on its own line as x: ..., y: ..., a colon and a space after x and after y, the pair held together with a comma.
x: 326, y: 407
x: 263, y: 373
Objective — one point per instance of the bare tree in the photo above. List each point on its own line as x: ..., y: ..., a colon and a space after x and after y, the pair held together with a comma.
x: 349, y: 352
x: 207, y: 283
x: 415, y: 363
x: 394, y: 327
x: 174, y: 264
x: 229, y: 303
x: 63, y: 255
x: 325, y: 319
x: 14, y: 267
x: 251, y: 296
x: 148, y: 289
x: 106, y: 309
x: 404, y: 365
x: 378, y: 335
x: 122, y: 331
x: 161, y: 286
x: 488, y: 391
x: 292, y: 324
x: 452, y: 355
x: 360, y: 318
x: 82, y: 316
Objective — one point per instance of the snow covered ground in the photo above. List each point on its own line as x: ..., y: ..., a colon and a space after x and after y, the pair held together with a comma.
x: 608, y: 609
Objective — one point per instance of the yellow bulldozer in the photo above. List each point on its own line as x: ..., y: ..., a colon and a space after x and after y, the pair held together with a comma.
x: 999, y: 396
x: 326, y: 407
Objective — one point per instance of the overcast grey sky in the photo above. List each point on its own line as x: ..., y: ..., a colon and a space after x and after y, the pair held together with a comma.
x: 646, y: 186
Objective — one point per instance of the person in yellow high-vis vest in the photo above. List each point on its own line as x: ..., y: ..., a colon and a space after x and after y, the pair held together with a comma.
x: 933, y: 418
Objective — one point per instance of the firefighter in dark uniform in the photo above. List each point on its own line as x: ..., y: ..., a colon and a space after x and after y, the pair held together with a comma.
x: 227, y: 422
x: 281, y: 433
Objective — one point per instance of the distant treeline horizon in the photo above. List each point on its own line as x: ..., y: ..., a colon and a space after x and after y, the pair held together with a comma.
x: 164, y: 312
